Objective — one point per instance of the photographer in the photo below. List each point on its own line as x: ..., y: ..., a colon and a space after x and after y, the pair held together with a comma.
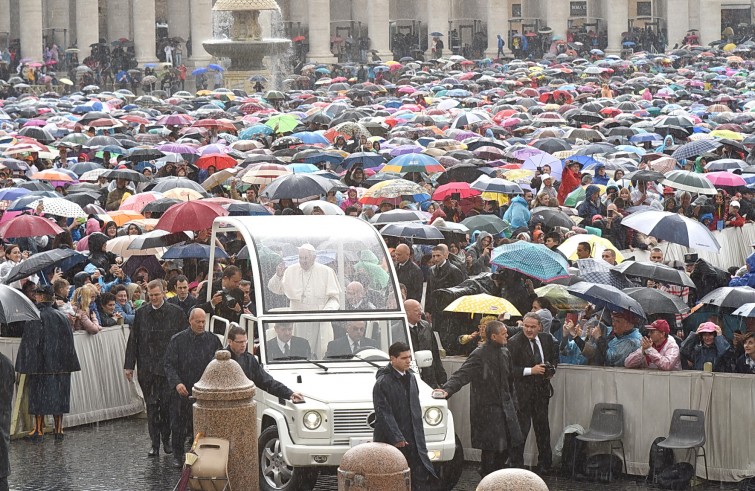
x: 534, y: 355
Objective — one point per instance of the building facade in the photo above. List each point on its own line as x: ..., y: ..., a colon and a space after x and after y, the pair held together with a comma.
x: 331, y: 30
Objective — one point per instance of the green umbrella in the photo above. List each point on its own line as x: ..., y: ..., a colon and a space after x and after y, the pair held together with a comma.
x: 575, y: 197
x: 283, y: 123
x: 560, y: 297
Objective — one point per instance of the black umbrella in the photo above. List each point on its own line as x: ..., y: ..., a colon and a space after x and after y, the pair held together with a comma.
x: 606, y: 296
x: 64, y: 258
x: 101, y: 141
x: 15, y: 306
x: 417, y: 232
x: 655, y: 271
x: 645, y: 176
x: 551, y: 217
x: 82, y: 167
x: 35, y: 186
x: 461, y: 172
x: 164, y: 184
x: 84, y: 198
x: 157, y: 238
x: 655, y: 301
x: 552, y: 145
x: 128, y: 174
x: 140, y: 154
x: 159, y: 205
x: 297, y: 186
x: 730, y: 297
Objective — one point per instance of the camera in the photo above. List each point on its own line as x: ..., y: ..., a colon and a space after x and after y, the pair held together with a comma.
x: 550, y: 370
x: 227, y: 299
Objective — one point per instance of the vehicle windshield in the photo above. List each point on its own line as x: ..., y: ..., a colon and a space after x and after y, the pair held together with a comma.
x: 319, y: 341
x: 313, y: 265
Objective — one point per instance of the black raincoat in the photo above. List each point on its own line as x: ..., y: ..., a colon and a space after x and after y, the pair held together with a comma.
x: 7, y: 378
x: 48, y: 356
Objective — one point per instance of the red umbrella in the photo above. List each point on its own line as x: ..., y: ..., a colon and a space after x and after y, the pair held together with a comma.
x: 191, y: 215
x: 217, y: 160
x: 28, y: 226
x: 460, y: 188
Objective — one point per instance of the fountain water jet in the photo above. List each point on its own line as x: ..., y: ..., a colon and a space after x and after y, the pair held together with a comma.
x: 246, y: 48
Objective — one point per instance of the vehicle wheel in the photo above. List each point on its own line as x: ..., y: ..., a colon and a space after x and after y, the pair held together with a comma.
x: 275, y: 474
x: 450, y: 472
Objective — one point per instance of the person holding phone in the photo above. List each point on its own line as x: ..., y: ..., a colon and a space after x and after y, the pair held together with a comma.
x: 478, y: 255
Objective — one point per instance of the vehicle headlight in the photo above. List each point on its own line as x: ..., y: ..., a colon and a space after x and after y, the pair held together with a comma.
x: 312, y: 420
x: 433, y: 416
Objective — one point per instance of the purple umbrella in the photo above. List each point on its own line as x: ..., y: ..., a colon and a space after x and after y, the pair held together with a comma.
x: 178, y: 148
x: 405, y: 149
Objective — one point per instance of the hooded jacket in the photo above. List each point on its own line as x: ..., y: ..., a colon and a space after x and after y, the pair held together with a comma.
x: 588, y: 208
x: 569, y: 182
x: 598, y: 179
x: 480, y: 260
x: 518, y: 214
x: 747, y: 279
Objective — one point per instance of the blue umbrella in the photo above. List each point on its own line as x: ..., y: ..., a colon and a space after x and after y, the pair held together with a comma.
x: 199, y: 71
x: 530, y: 259
x: 216, y: 67
x: 302, y: 168
x: 366, y: 159
x: 311, y: 138
x: 323, y: 157
x: 23, y: 202
x: 606, y: 296
x: 324, y: 71
x: 246, y: 209
x: 193, y: 250
x: 645, y: 137
x: 252, y: 131
x: 11, y: 194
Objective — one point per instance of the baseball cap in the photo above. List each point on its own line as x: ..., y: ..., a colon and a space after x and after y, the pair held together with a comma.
x: 659, y: 325
x: 707, y: 327
x: 734, y: 204
x: 545, y: 176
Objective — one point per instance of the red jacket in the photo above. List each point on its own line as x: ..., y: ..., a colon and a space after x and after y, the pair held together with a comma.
x: 569, y: 182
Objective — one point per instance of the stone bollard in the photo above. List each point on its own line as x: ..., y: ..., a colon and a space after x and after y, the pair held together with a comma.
x: 512, y: 480
x: 374, y: 467
x: 225, y: 408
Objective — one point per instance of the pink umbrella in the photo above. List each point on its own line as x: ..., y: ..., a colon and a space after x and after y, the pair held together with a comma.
x: 724, y: 178
x: 35, y: 122
x: 136, y: 202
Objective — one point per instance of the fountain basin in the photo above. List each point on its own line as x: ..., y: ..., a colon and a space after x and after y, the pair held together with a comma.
x: 246, y: 55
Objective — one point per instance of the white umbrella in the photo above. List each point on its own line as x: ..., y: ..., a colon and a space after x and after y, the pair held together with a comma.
x: 93, y: 175
x: 689, y: 181
x: 327, y: 207
x: 673, y: 227
x: 119, y: 247
x: 59, y: 207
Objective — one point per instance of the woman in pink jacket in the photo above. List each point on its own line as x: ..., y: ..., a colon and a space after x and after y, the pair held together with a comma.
x: 658, y: 350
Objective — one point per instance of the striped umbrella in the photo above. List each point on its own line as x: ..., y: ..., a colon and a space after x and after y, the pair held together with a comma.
x: 530, y: 259
x: 689, y: 181
x: 414, y: 162
x: 264, y: 173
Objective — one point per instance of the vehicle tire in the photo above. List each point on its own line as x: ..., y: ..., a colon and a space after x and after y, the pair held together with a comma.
x: 275, y: 474
x: 450, y: 472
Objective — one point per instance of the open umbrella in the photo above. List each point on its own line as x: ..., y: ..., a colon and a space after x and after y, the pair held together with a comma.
x: 191, y: 215
x: 394, y: 191
x: 418, y: 233
x: 327, y: 207
x: 393, y: 216
x: 482, y: 304
x: 551, y: 217
x: 488, y: 184
x: 462, y: 189
x: 606, y: 296
x: 158, y: 238
x: 654, y: 301
x: 194, y: 250
x: 530, y: 259
x: 729, y: 297
x: 598, y: 245
x: 247, y: 209
x: 656, y: 272
x: 28, y: 226
x: 560, y: 298
x: 63, y: 258
x: 59, y: 207
x: 673, y: 227
x: 15, y: 306
x: 486, y: 223
x: 746, y: 310
x: 298, y: 187
x: 128, y: 174
x: 689, y: 181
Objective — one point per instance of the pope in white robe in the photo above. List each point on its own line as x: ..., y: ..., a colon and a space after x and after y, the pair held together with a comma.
x: 309, y: 286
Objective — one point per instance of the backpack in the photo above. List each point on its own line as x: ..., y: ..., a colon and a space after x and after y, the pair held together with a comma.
x: 660, y: 459
x: 677, y: 476
x: 600, y: 466
x: 573, y: 451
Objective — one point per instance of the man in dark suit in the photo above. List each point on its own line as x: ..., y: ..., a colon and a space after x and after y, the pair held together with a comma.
x: 155, y: 323
x: 409, y: 274
x: 354, y: 340
x: 492, y: 409
x: 530, y: 351
x: 443, y: 275
x: 7, y: 379
x: 286, y: 345
x: 423, y: 338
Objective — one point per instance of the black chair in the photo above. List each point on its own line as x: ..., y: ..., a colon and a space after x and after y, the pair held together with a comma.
x: 606, y: 425
x: 687, y: 432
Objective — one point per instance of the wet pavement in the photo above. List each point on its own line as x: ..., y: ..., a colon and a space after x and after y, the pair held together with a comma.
x: 112, y: 456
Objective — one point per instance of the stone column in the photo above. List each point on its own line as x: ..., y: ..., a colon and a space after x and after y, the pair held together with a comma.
x: 4, y: 22
x: 438, y: 14
x: 145, y: 44
x: 710, y: 21
x: 179, y: 19
x: 617, y: 21
x: 319, y: 32
x: 677, y: 20
x: 378, y: 16
x: 557, y: 16
x: 87, y: 26
x: 30, y: 20
x: 201, y: 30
x: 59, y: 19
x: 498, y: 23
x: 118, y: 19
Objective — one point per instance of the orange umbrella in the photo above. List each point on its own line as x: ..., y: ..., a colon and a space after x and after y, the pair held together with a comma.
x: 52, y: 175
x: 122, y: 216
x: 217, y: 160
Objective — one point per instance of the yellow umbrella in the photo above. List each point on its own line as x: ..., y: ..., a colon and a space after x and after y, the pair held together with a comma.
x: 731, y: 135
x: 518, y: 174
x: 730, y: 47
x: 184, y: 194
x: 598, y: 245
x: 482, y: 304
x: 65, y: 81
x: 501, y: 198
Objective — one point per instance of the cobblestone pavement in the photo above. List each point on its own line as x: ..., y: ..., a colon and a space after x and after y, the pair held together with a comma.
x: 112, y: 456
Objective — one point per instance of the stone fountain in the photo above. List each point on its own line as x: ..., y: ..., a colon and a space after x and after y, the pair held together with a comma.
x: 246, y: 48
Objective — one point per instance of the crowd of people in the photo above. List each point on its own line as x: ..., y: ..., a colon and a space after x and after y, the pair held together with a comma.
x: 557, y: 155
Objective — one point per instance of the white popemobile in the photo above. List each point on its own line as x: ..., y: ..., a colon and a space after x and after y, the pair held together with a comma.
x: 300, y: 267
